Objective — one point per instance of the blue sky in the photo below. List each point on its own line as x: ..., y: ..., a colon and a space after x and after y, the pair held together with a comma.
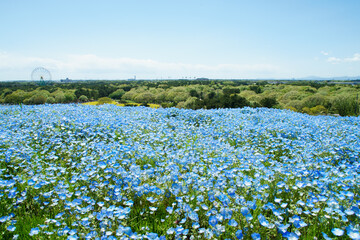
x: 114, y: 39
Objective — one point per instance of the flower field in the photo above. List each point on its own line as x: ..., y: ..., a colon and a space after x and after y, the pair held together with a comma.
x: 109, y: 172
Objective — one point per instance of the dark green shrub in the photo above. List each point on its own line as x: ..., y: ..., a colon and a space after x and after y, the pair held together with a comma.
x: 346, y: 106
x: 230, y: 90
x: 50, y: 100
x: 256, y: 89
x: 69, y: 97
x: 83, y: 98
x: 104, y: 100
x: 16, y: 97
x: 314, y: 100
x: 37, y: 99
x: 117, y: 94
x: 59, y: 96
x: 268, y: 102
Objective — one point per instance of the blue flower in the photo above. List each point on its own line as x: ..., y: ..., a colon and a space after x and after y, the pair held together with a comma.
x: 246, y: 213
x: 232, y: 223
x: 337, y: 232
x: 353, y: 234
x: 11, y: 228
x: 256, y: 236
x: 326, y: 237
x: 213, y: 220
x: 239, y: 234
x: 264, y: 222
x: 169, y: 210
x: 34, y: 231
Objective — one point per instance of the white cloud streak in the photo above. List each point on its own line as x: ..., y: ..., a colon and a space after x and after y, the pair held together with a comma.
x: 90, y: 66
x: 354, y: 58
x: 324, y: 53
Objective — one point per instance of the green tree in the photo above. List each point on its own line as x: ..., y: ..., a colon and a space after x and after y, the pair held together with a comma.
x: 59, y: 96
x: 314, y: 100
x: 268, y: 102
x: 69, y: 97
x: 50, y: 100
x: 257, y: 89
x: 83, y: 98
x: 37, y: 98
x: 16, y: 97
x: 145, y: 97
x: 104, y: 100
x: 193, y: 93
x: 230, y: 90
x: 117, y: 94
x: 233, y: 101
x: 346, y: 106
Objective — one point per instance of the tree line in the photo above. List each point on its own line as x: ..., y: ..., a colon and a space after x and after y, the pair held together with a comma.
x: 310, y: 97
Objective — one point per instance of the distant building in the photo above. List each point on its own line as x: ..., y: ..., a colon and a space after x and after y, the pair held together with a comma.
x: 132, y: 79
x: 66, y: 80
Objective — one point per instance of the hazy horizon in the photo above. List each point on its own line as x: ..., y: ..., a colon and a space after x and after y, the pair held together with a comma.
x: 189, y: 39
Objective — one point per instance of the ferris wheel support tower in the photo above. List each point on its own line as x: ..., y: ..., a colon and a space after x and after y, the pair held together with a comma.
x: 41, y: 74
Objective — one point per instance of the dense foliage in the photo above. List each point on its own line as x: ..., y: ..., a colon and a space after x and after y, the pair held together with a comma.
x: 315, y: 98
x: 73, y: 171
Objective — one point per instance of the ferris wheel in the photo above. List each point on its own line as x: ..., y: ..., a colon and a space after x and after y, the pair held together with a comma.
x: 41, y: 74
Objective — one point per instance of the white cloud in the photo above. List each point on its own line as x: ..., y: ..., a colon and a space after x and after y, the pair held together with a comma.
x: 324, y: 53
x: 354, y: 58
x: 90, y: 66
x: 334, y: 60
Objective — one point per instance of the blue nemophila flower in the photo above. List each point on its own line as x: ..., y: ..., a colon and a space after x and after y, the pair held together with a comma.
x: 326, y: 237
x: 213, y: 221
x: 34, y: 231
x: 152, y: 236
x: 283, y: 228
x: 59, y: 215
x: 232, y: 223
x: 211, y: 197
x: 284, y: 205
x: 169, y: 210
x: 200, y: 198
x: 175, y: 189
x: 224, y: 199
x: 264, y: 222
x: 231, y: 192
x: 127, y: 230
x: 246, y: 213
x: 4, y: 219
x: 72, y: 237
x: 349, y: 212
x: 255, y: 236
x: 299, y: 224
x: 11, y: 228
x: 252, y: 205
x: 12, y: 193
x: 195, y: 225
x: 208, y: 233
x: 353, y: 234
x: 226, y: 213
x: 239, y: 234
x: 31, y: 182
x: 337, y: 232
x: 205, y: 207
x: 179, y: 230
x: 170, y: 231
x: 194, y: 216
x: 291, y: 236
x: 153, y: 209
